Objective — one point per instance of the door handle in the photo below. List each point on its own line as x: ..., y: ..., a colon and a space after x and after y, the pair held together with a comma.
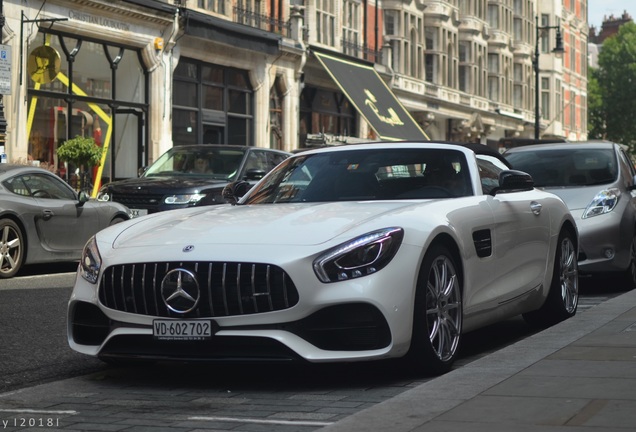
x: 47, y: 214
x: 535, y: 207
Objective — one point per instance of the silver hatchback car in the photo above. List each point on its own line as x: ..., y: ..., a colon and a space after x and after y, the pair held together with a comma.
x: 596, y: 181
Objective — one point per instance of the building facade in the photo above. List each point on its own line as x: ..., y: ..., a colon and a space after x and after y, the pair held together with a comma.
x: 141, y: 76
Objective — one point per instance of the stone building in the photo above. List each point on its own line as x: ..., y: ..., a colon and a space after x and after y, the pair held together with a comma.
x: 141, y: 76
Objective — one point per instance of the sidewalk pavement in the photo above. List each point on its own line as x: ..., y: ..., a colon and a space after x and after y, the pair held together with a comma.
x: 579, y: 375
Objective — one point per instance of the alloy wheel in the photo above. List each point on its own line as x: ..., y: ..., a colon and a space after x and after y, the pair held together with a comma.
x: 568, y: 275
x: 443, y: 308
x: 10, y: 249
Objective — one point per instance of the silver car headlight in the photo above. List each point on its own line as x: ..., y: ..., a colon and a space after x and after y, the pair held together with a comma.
x: 359, y: 257
x: 184, y: 199
x: 103, y: 195
x: 604, y: 202
x: 91, y: 261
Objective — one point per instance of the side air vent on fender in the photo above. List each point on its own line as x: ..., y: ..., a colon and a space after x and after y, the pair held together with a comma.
x: 483, y: 243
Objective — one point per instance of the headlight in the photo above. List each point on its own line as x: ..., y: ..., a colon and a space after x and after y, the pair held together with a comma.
x: 359, y: 257
x: 184, y: 199
x: 103, y: 195
x: 604, y: 202
x: 91, y: 261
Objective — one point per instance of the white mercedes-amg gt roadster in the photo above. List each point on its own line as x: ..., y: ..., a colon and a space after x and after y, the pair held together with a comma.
x: 351, y: 253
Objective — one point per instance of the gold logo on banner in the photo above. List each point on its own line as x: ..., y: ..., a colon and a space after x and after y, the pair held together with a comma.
x: 393, y: 119
x: 43, y: 64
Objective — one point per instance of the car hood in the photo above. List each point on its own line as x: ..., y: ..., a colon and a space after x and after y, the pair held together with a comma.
x: 577, y: 198
x: 265, y: 224
x: 162, y: 184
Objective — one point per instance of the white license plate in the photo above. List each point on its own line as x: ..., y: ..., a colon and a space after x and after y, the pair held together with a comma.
x: 182, y: 329
x: 138, y: 212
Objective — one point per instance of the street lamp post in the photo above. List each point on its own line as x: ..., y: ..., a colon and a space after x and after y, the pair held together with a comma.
x: 558, y: 49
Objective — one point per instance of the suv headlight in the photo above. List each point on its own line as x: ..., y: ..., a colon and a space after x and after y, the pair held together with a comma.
x: 91, y: 261
x: 184, y: 199
x: 604, y: 202
x: 359, y: 257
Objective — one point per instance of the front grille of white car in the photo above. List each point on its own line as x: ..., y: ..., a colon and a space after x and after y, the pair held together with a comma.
x: 225, y: 288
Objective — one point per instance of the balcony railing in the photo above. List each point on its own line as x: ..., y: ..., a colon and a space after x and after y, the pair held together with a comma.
x: 359, y: 51
x: 263, y: 22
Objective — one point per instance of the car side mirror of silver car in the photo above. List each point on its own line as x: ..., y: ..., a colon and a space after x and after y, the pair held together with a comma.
x: 234, y: 191
x: 83, y: 197
x: 513, y: 181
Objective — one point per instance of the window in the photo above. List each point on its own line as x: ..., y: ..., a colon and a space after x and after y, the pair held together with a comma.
x: 351, y: 27
x: 431, y: 58
x: 545, y: 98
x: 391, y: 22
x: 40, y: 186
x: 326, y: 22
x: 211, y: 103
x: 217, y: 6
x: 493, y: 16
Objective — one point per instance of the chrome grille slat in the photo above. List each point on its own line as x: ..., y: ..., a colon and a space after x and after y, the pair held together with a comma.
x: 253, y: 286
x: 238, y: 290
x: 132, y: 291
x: 226, y: 288
x: 154, y: 284
x: 209, y: 287
x: 143, y: 288
x: 123, y: 293
x: 269, y: 288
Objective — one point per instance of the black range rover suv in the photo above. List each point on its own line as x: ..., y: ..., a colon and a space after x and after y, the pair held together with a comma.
x: 191, y: 175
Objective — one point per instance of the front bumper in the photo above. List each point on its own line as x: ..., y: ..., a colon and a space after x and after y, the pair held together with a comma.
x: 368, y: 318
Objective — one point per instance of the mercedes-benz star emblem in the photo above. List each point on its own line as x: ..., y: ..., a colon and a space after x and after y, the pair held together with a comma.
x: 180, y: 290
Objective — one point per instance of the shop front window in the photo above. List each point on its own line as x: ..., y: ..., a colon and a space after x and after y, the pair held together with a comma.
x: 73, y: 85
x: 211, y: 104
x: 325, y: 112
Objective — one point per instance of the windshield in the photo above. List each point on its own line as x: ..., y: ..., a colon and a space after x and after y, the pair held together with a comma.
x: 368, y: 174
x: 567, y: 167
x: 222, y: 164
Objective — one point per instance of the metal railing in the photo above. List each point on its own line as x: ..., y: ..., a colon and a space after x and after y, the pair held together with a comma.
x: 260, y: 21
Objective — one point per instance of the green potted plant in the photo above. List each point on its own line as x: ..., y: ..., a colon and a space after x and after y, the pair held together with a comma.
x: 83, y: 153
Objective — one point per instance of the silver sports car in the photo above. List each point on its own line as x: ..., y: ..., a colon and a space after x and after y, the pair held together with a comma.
x: 354, y: 253
x: 596, y: 179
x: 42, y: 219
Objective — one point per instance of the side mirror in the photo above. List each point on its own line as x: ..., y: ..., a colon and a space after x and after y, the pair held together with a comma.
x: 235, y: 190
x: 513, y: 181
x: 254, y: 174
x: 83, y: 197
x: 141, y: 171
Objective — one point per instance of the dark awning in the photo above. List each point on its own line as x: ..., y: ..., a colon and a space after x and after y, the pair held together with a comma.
x: 229, y: 33
x: 373, y: 99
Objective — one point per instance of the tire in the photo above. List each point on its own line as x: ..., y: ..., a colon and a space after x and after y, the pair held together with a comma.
x: 11, y: 248
x: 116, y: 220
x: 438, y: 314
x: 563, y: 297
